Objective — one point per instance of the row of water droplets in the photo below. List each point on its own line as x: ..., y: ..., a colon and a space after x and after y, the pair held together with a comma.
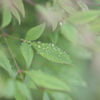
x: 51, y: 48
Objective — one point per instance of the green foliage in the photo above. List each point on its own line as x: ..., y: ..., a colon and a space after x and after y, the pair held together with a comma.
x: 20, y: 6
x: 27, y: 53
x: 47, y: 81
x: 4, y: 62
x: 45, y: 96
x: 84, y: 17
x: 6, y: 17
x: 35, y: 33
x: 43, y: 70
x: 52, y: 53
x: 15, y: 13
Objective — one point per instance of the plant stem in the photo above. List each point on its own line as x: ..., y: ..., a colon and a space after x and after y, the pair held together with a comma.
x: 14, y: 37
x: 89, y: 3
x: 19, y: 71
x: 30, y: 2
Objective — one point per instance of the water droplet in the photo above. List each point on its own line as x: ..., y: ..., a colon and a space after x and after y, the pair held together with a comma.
x: 46, y: 50
x: 68, y: 55
x: 22, y: 39
x: 52, y: 44
x: 39, y: 41
x: 60, y: 23
x: 10, y: 65
x: 39, y: 46
x: 58, y: 49
x: 60, y: 53
x: 53, y: 48
x: 30, y: 44
x: 37, y: 53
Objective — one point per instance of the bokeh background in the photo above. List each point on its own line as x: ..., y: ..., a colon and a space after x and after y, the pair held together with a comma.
x: 83, y: 47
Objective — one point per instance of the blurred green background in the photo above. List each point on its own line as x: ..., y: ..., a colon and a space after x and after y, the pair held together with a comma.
x: 83, y: 77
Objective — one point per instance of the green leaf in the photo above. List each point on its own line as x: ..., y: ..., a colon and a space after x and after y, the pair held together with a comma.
x: 29, y: 83
x: 20, y: 6
x: 46, y: 96
x: 5, y: 63
x: 47, y: 81
x: 27, y: 53
x: 52, y: 53
x: 82, y: 5
x: 9, y: 89
x: 23, y: 89
x: 66, y: 7
x: 69, y: 32
x: 54, y: 25
x: 6, y: 17
x: 19, y: 96
x: 84, y: 17
x: 15, y: 13
x: 54, y: 37
x: 69, y: 9
x: 35, y: 32
x: 60, y: 96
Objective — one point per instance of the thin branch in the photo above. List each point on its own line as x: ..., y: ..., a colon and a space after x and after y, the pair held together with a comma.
x: 88, y: 3
x: 19, y: 71
x: 14, y: 37
x: 30, y: 2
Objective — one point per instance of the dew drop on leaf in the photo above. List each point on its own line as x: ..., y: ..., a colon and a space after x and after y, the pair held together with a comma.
x: 60, y: 23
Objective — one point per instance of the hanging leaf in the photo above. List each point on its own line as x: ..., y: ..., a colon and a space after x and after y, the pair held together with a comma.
x: 47, y: 81
x: 69, y: 32
x: 15, y: 13
x: 23, y: 89
x: 84, y: 17
x: 20, y: 6
x: 52, y: 53
x: 54, y: 25
x: 5, y: 63
x: 60, y: 96
x: 6, y: 17
x: 82, y: 5
x: 35, y: 32
x: 67, y: 7
x: 27, y: 53
x: 54, y: 37
x: 45, y: 96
